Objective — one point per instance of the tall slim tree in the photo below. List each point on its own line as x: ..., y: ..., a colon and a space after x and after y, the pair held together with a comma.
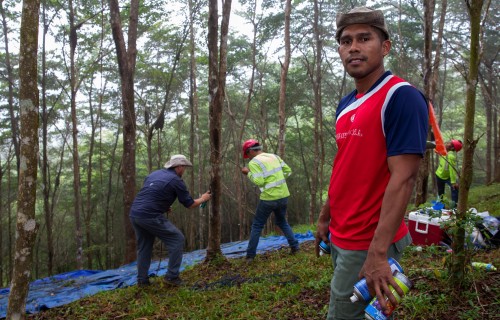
x: 423, y: 172
x: 44, y: 163
x: 283, y: 78
x: 217, y: 60
x: 431, y: 77
x: 195, y: 141
x: 2, y: 263
x: 316, y: 77
x: 126, y: 64
x: 26, y: 225
x: 14, y: 127
x: 73, y: 28
x: 458, y: 259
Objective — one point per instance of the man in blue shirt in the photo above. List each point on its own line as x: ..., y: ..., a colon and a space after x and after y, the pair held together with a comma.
x: 157, y: 195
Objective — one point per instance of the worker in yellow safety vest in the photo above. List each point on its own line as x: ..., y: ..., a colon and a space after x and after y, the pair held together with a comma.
x: 269, y: 172
x: 447, y: 171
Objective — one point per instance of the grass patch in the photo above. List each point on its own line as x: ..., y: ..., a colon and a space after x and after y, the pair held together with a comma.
x: 486, y: 198
x: 278, y: 285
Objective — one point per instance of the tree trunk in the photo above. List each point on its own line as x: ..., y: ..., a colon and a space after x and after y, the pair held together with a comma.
x: 194, y: 103
x: 26, y: 225
x: 496, y: 146
x: 2, y: 263
x: 44, y: 163
x: 74, y: 124
x: 216, y: 82
x: 126, y: 64
x: 318, y: 120
x: 238, y: 181
x: 457, y: 267
x: 14, y: 126
x: 109, y: 211
x: 487, y: 88
x: 423, y: 171
x: 283, y: 78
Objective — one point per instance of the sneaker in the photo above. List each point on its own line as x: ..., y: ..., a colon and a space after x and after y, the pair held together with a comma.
x: 294, y: 250
x: 176, y: 282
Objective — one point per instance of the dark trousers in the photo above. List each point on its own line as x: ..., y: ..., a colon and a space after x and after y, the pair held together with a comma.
x: 441, y: 184
x: 146, y: 229
x: 264, y: 210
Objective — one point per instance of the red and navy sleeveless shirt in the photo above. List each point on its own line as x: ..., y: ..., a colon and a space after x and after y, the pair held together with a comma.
x: 390, y: 119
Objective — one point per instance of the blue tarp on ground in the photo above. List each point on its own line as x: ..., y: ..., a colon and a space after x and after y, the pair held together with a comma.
x: 67, y: 287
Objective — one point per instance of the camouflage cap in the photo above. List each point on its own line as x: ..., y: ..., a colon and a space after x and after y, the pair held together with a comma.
x: 361, y: 15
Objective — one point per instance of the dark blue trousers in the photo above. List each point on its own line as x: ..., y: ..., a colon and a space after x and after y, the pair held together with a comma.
x: 146, y: 229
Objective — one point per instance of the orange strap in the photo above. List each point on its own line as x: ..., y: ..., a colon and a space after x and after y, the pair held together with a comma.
x: 440, y: 147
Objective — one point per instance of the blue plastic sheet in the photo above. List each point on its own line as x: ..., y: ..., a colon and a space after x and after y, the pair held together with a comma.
x: 67, y: 287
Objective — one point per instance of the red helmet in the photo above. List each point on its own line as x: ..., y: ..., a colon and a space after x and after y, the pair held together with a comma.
x: 247, y: 145
x: 457, y: 144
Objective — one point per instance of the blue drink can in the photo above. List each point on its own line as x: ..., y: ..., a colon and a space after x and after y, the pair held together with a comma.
x: 325, y: 247
x: 361, y: 292
x: 374, y: 311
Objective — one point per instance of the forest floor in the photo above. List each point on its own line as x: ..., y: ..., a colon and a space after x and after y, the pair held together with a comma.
x: 278, y: 285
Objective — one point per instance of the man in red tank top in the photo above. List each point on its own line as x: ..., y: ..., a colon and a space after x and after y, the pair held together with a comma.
x: 381, y: 130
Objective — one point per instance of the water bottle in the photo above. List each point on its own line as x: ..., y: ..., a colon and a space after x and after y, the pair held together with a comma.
x: 484, y: 266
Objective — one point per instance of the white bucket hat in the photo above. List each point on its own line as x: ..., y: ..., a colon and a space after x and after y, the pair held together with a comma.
x: 178, y: 160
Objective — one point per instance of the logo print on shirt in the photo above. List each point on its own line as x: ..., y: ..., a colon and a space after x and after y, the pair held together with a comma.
x: 352, y: 117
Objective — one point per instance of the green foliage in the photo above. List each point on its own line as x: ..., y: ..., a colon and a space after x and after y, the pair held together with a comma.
x: 485, y: 198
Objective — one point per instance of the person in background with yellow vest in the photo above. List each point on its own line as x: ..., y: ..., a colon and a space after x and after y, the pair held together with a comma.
x: 269, y: 173
x: 447, y: 171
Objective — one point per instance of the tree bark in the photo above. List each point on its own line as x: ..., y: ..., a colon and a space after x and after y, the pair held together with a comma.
x: 238, y: 181
x: 126, y: 64
x: 14, y: 127
x: 28, y: 104
x: 74, y: 124
x: 44, y: 163
x: 457, y: 267
x: 423, y: 172
x: 283, y: 79
x: 216, y: 82
x: 318, y: 111
x: 2, y: 262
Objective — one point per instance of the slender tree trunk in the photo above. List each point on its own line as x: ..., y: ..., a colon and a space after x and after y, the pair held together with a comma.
x: 487, y: 87
x: 496, y: 146
x: 216, y: 82
x: 14, y: 126
x: 126, y: 64
x: 283, y: 79
x: 76, y: 161
x: 318, y: 120
x: 46, y: 185
x: 2, y: 263
x: 109, y: 210
x: 457, y: 266
x: 193, y: 140
x: 26, y: 225
x: 89, y: 207
x: 423, y: 172
x: 9, y: 214
x: 193, y: 101
x: 238, y: 178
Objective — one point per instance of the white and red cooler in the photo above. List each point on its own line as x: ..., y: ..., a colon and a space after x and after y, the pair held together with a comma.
x: 426, y: 230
